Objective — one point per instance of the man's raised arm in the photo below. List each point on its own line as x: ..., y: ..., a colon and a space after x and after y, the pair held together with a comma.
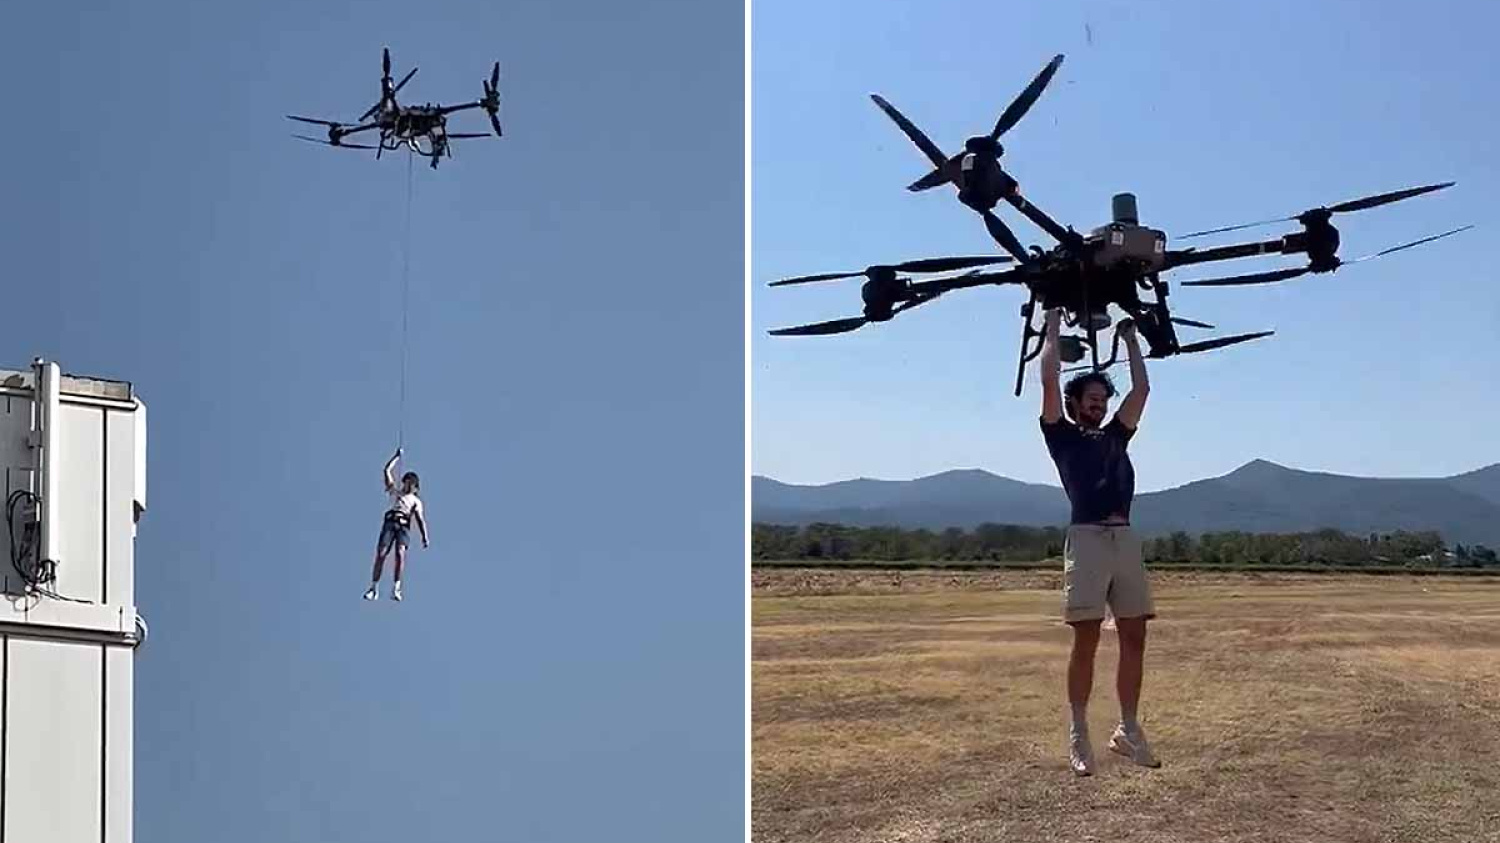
x: 1140, y: 386
x: 390, y: 478
x: 1051, y: 365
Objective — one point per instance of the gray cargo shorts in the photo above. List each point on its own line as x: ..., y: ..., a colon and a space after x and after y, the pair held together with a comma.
x: 1102, y: 566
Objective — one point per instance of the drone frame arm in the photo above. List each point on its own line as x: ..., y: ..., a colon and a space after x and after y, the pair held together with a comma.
x: 1283, y: 245
x: 449, y: 109
x: 1064, y: 236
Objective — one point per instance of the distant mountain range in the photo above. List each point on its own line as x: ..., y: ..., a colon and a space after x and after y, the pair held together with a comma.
x: 1259, y: 496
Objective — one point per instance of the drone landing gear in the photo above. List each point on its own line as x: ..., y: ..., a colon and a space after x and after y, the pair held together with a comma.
x: 1028, y: 311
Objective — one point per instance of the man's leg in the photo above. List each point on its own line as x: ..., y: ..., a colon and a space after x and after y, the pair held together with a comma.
x: 1080, y: 683
x: 1085, y: 590
x: 400, y: 564
x: 1133, y: 608
x: 374, y: 590
x: 1128, y: 679
x: 1081, y: 667
x: 382, y: 547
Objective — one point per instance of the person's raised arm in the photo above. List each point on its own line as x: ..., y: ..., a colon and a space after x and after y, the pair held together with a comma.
x: 390, y: 465
x: 1140, y: 386
x: 1051, y: 370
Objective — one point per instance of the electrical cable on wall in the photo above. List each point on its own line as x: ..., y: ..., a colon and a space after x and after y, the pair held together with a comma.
x: 37, y: 574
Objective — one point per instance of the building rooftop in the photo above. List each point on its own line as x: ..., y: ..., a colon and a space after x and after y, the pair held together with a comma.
x: 79, y: 385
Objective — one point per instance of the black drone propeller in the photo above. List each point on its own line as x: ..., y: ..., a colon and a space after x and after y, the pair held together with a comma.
x: 1285, y: 274
x: 340, y: 144
x: 1191, y: 323
x: 1195, y: 347
x: 947, y: 168
x: 316, y: 121
x: 1026, y: 99
x: 491, y: 101
x: 922, y: 265
x: 1342, y: 207
x: 843, y: 326
x: 386, y: 90
x: 1002, y: 234
x: 1220, y: 342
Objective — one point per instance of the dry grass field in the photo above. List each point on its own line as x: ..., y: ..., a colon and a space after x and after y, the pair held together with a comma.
x: 929, y: 707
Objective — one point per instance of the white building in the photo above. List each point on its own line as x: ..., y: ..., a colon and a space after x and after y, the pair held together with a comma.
x: 73, y: 453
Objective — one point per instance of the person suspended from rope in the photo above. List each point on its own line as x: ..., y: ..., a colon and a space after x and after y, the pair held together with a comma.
x: 405, y: 507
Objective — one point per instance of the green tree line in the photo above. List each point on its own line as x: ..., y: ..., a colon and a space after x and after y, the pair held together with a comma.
x: 1012, y: 543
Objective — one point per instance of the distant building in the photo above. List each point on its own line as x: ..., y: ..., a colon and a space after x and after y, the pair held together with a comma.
x: 73, y: 450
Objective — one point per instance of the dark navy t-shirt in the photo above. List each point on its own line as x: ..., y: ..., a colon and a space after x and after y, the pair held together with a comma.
x: 1094, y: 467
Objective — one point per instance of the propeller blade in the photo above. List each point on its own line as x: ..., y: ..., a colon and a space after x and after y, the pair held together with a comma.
x: 1255, y: 278
x: 1027, y: 98
x: 385, y: 60
x: 948, y: 264
x: 1220, y: 342
x: 941, y: 176
x: 1411, y: 244
x: 919, y: 265
x: 340, y: 145
x: 808, y: 279
x: 404, y: 80
x: 1178, y: 320
x: 314, y: 121
x: 1004, y: 236
x: 923, y: 142
x: 455, y: 135
x: 1235, y: 227
x: 495, y: 124
x: 495, y: 77
x: 836, y: 326
x: 1386, y: 198
x: 1342, y: 207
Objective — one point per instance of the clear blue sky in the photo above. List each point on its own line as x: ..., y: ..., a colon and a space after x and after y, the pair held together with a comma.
x: 1213, y: 114
x: 568, y: 663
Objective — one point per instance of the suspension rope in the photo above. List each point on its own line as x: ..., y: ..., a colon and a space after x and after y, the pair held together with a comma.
x: 405, y: 294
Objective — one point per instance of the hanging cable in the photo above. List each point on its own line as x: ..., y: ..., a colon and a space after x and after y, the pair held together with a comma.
x: 405, y: 288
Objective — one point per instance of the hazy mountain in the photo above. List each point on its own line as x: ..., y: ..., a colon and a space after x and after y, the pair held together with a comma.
x: 952, y: 498
x: 1484, y: 482
x: 1259, y: 496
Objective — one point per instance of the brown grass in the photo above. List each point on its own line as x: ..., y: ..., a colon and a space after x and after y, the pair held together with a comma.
x: 929, y: 707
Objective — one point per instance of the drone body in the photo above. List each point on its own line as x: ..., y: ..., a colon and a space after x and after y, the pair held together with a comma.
x: 1083, y: 274
x: 411, y: 126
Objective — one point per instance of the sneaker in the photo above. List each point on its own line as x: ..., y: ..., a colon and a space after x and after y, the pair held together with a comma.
x: 1132, y: 746
x: 1080, y: 754
x: 396, y: 593
x: 373, y: 593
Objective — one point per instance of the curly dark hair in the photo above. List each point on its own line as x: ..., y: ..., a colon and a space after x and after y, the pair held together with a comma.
x: 1076, y: 386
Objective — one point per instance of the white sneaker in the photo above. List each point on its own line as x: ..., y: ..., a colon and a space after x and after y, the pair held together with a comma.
x: 373, y: 593
x: 1132, y: 746
x: 1080, y: 754
x: 396, y: 593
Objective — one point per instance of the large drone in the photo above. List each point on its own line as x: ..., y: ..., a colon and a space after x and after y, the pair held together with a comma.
x: 410, y: 125
x: 1083, y: 274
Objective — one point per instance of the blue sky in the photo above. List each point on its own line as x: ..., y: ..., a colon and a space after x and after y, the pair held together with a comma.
x: 567, y: 665
x: 1213, y: 114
